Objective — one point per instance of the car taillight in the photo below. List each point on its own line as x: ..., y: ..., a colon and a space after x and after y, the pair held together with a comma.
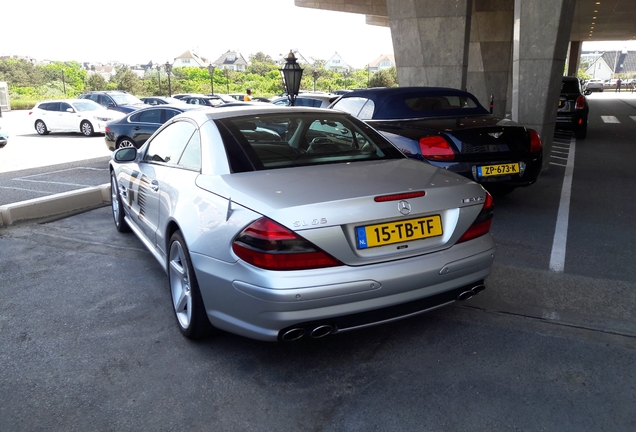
x: 436, y: 148
x: 270, y: 246
x: 106, y: 129
x: 535, y: 141
x: 580, y: 103
x: 482, y: 223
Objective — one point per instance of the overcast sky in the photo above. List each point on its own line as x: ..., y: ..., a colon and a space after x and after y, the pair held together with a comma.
x: 138, y: 31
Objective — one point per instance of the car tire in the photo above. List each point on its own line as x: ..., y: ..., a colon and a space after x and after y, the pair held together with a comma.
x: 125, y: 142
x: 40, y: 128
x: 87, y: 128
x: 581, y: 131
x: 187, y: 302
x: 117, y: 206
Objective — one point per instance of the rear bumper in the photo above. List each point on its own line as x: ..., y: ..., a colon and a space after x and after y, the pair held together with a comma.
x: 533, y: 167
x: 244, y: 300
x: 571, y: 121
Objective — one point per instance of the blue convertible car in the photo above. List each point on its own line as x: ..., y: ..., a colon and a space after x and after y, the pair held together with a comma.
x: 450, y: 129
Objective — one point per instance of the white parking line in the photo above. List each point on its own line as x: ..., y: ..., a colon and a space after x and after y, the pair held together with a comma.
x: 610, y: 119
x: 557, y: 258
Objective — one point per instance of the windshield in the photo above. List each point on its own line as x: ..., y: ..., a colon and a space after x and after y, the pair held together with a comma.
x: 282, y: 141
x: 125, y: 99
x: 87, y: 105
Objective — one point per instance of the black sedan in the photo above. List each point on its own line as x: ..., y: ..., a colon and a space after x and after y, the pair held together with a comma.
x: 134, y: 129
x: 161, y: 100
x: 450, y: 129
x: 573, y: 109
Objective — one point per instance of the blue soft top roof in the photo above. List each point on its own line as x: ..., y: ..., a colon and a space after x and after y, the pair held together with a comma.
x: 390, y: 103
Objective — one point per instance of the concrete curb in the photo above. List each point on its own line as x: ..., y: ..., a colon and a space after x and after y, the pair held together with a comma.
x: 55, y: 205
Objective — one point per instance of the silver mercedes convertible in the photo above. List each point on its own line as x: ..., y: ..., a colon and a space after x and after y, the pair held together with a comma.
x: 282, y: 223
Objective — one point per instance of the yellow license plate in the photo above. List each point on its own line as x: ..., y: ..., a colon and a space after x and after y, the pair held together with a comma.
x: 497, y: 170
x: 399, y: 231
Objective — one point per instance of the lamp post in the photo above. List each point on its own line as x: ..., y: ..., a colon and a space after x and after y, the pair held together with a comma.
x: 291, y: 73
x: 345, y: 73
x: 168, y: 70
x: 227, y: 80
x: 159, y: 77
x: 314, y: 74
x: 211, y: 70
x: 63, y: 82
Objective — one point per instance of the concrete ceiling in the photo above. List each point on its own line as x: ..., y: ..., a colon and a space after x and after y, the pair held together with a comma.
x: 604, y: 20
x: 594, y: 20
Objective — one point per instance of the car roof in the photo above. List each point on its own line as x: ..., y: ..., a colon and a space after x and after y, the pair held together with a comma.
x: 184, y: 107
x: 66, y: 100
x: 389, y: 101
x: 208, y: 113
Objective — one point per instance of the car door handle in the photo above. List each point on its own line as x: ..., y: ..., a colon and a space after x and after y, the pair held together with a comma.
x: 154, y: 185
x: 136, y: 128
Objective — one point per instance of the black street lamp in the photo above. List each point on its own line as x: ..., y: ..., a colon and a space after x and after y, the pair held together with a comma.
x: 211, y: 70
x: 314, y: 74
x: 159, y: 77
x: 345, y: 73
x: 291, y: 73
x: 168, y: 70
x: 227, y: 80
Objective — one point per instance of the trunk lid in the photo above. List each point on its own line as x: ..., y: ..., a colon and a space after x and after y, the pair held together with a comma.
x: 473, y: 137
x: 327, y: 204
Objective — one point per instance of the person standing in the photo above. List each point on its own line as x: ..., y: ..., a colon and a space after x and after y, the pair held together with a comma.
x: 248, y: 96
x: 618, y: 85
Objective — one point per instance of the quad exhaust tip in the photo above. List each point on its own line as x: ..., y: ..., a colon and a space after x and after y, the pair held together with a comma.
x: 471, y: 292
x: 299, y: 332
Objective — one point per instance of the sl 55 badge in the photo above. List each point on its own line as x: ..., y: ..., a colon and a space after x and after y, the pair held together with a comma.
x: 303, y: 223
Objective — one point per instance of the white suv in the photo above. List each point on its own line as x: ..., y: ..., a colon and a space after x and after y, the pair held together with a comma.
x: 594, y: 85
x: 71, y: 115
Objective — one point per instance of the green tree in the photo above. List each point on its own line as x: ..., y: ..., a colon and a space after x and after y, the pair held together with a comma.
x: 21, y: 73
x: 127, y: 80
x: 95, y: 82
x: 261, y: 64
x: 384, y: 78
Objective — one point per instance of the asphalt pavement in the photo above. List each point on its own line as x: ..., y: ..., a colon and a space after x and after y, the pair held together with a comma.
x: 90, y: 343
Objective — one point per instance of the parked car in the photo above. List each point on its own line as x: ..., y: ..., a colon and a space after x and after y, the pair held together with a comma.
x: 4, y: 133
x: 323, y: 230
x: 71, y: 115
x: 160, y: 100
x: 315, y: 100
x: 134, y: 129
x: 594, y: 85
x: 116, y: 100
x: 223, y: 97
x: 573, y: 108
x: 200, y: 99
x: 450, y: 129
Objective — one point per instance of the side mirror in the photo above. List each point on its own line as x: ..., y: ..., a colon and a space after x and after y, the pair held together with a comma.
x: 587, y: 92
x: 126, y: 154
x: 71, y: 110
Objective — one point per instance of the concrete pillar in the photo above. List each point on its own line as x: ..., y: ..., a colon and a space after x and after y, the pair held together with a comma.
x: 430, y: 41
x: 490, y: 53
x: 574, y: 58
x: 541, y: 36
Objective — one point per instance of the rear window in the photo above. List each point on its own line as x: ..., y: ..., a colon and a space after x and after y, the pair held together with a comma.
x: 282, y: 141
x: 570, y: 86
